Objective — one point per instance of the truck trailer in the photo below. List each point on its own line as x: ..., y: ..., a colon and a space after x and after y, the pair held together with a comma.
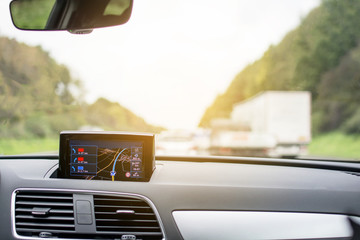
x: 273, y: 124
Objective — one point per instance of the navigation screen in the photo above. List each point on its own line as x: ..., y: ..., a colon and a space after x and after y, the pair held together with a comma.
x: 106, y: 156
x: 106, y: 160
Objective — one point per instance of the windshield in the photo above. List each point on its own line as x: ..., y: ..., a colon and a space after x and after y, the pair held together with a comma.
x: 257, y: 78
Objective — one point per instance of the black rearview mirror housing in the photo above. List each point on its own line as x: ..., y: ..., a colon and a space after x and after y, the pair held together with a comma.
x: 75, y: 16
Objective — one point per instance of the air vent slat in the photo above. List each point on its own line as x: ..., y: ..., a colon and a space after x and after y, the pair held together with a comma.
x: 130, y: 227
x: 126, y: 220
x: 114, y: 214
x: 44, y: 224
x: 32, y: 230
x: 44, y: 203
x: 117, y: 199
x: 55, y: 211
x: 122, y: 206
x: 154, y: 234
x: 43, y: 197
x: 45, y: 218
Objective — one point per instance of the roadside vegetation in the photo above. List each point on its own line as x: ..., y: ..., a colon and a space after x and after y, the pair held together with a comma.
x: 40, y: 98
x: 24, y: 146
x: 336, y: 144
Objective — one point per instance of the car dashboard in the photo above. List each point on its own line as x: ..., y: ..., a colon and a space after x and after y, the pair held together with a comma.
x: 186, y: 198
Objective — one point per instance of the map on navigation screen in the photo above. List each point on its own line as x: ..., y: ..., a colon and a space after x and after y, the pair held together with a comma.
x: 106, y: 160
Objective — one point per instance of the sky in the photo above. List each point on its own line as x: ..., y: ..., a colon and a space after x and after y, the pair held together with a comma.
x: 171, y: 60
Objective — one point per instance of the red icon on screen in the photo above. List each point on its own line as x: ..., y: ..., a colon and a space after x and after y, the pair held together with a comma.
x: 127, y: 174
x: 80, y: 150
x: 80, y: 159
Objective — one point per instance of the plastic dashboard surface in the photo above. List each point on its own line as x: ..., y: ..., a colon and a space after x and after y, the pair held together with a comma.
x: 201, y: 186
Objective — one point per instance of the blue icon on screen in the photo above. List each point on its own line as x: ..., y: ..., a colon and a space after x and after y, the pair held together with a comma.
x: 80, y: 168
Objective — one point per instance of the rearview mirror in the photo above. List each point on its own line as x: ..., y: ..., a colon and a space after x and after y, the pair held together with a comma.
x: 71, y: 15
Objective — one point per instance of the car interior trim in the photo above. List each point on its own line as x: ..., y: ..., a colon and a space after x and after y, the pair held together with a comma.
x: 212, y: 225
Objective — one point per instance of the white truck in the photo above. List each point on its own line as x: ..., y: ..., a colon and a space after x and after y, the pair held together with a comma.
x: 278, y: 124
x: 235, y: 139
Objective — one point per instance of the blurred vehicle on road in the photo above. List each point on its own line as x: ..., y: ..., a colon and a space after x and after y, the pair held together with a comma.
x: 176, y: 142
x: 270, y: 124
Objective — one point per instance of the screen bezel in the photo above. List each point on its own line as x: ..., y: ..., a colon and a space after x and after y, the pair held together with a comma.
x: 148, y: 141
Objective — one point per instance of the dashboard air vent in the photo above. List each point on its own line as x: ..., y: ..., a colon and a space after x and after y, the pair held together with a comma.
x: 44, y: 214
x: 120, y: 215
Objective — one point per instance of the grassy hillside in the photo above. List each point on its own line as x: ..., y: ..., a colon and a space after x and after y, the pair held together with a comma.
x: 37, y: 101
x: 322, y: 56
x: 336, y: 144
x: 26, y: 146
x: 112, y: 116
